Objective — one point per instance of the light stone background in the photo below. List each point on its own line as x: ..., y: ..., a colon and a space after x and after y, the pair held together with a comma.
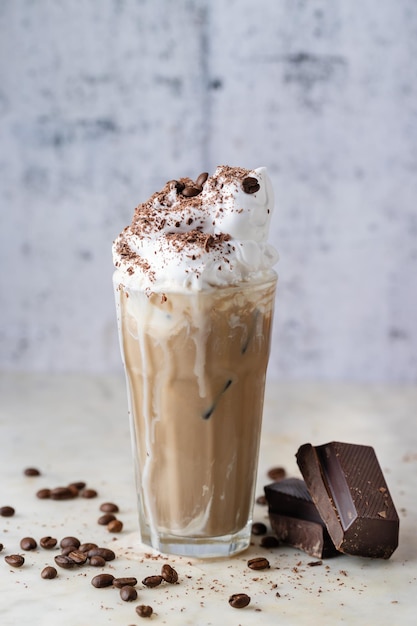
x: 103, y: 101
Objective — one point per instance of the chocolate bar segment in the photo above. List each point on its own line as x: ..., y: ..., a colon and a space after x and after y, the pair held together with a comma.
x: 347, y: 486
x: 295, y: 519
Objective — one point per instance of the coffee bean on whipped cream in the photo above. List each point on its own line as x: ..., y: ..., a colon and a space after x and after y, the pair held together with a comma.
x: 201, y: 179
x: 250, y: 184
x: 191, y: 191
x: 239, y: 600
x: 7, y: 511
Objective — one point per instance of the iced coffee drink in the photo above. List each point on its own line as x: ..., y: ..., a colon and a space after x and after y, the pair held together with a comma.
x: 195, y: 293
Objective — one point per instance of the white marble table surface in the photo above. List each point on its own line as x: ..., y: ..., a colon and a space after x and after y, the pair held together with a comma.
x: 75, y: 428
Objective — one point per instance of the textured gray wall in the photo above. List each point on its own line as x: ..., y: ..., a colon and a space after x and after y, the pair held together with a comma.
x: 103, y: 101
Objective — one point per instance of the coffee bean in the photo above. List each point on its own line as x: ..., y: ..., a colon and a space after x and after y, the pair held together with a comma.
x: 61, y: 493
x: 102, y: 580
x: 1, y: 547
x: 169, y: 574
x: 74, y: 491
x: 105, y: 519
x: 201, y: 179
x: 277, y: 473
x: 128, y: 580
x: 69, y: 541
x: 258, y: 528
x: 190, y: 192
x: 144, y: 610
x: 64, y: 561
x: 128, y: 593
x: 269, y: 542
x: 106, y: 553
x: 89, y: 493
x: 97, y: 561
x: 86, y: 547
x: 43, y: 494
x: 48, y: 542
x: 15, y: 560
x: 152, y: 581
x: 109, y: 507
x: 68, y: 549
x: 7, y: 511
x: 115, y: 526
x: 31, y: 471
x: 28, y: 543
x: 49, y: 572
x: 78, y: 485
x: 78, y: 557
x: 258, y: 563
x: 261, y: 500
x: 250, y: 184
x: 239, y: 600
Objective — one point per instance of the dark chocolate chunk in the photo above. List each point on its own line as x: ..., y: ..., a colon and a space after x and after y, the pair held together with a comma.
x: 348, y: 488
x: 295, y: 519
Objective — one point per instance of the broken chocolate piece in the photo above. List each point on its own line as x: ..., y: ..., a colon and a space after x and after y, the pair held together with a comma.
x: 295, y: 519
x: 348, y: 488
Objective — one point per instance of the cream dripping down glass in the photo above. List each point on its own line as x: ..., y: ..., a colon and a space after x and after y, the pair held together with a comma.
x: 195, y: 293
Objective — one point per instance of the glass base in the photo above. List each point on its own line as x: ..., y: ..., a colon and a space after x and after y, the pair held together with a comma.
x: 199, y: 547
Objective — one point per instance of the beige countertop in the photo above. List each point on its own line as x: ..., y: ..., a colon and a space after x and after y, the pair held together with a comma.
x: 75, y: 428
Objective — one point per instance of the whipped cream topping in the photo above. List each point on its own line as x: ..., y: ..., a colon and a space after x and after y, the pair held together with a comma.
x: 193, y: 236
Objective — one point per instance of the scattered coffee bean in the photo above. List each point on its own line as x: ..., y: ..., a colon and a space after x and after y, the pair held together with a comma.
x: 74, y: 491
x: 89, y: 493
x: 115, y: 526
x: 239, y: 600
x: 61, y: 493
x: 258, y: 563
x: 261, y: 500
x: 68, y: 549
x: 169, y: 574
x: 49, y: 572
x: 258, y: 528
x: 31, y: 471
x: 97, y: 561
x: 64, y: 561
x: 190, y: 192
x: 106, y: 553
x: 78, y: 557
x: 109, y: 507
x: 28, y: 543
x: 201, y: 179
x: 48, y: 542
x: 86, y: 547
x: 277, y: 473
x: 315, y: 563
x: 102, y: 580
x: 128, y: 593
x: 250, y: 184
x: 152, y: 581
x: 144, y: 610
x: 78, y: 485
x: 43, y: 494
x: 269, y: 542
x: 7, y: 511
x: 128, y: 580
x: 15, y: 560
x: 69, y: 541
x: 1, y: 547
x: 105, y: 519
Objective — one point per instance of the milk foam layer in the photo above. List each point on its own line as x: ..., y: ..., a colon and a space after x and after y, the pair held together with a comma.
x: 216, y: 238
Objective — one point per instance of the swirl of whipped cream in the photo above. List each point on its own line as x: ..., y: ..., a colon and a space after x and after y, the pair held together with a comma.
x: 215, y: 238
